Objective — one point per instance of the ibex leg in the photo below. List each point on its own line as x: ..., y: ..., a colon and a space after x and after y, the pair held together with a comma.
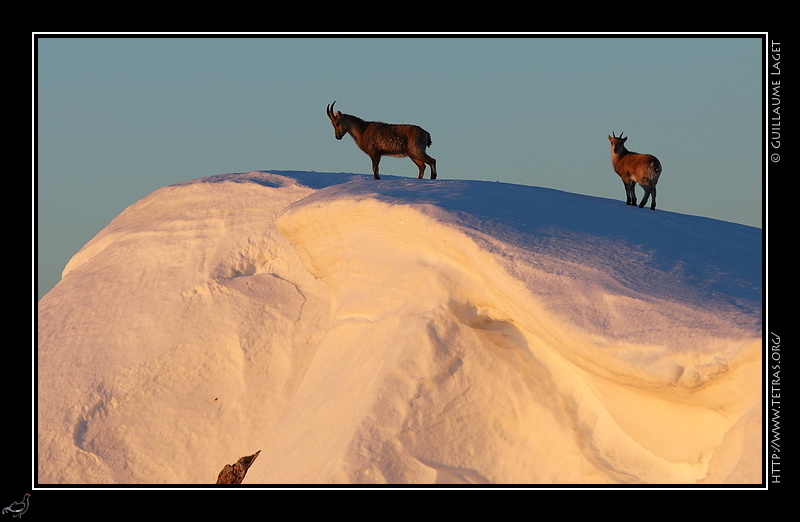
x: 630, y: 192
x: 420, y: 163
x: 651, y: 192
x: 644, y: 199
x: 375, y: 161
x: 421, y: 166
x: 432, y: 163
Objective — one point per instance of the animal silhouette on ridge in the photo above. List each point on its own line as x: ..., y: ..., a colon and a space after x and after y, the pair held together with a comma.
x: 378, y: 139
x: 634, y: 168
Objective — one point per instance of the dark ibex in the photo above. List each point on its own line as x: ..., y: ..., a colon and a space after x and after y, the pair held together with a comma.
x: 634, y: 168
x: 378, y: 139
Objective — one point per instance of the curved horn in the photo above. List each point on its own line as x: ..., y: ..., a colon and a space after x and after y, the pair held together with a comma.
x: 330, y: 110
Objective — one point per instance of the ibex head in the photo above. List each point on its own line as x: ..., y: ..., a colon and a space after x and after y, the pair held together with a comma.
x: 617, y: 142
x: 338, y: 128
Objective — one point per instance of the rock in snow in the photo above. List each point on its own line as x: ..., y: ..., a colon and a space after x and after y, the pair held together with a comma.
x: 401, y: 331
x: 235, y: 473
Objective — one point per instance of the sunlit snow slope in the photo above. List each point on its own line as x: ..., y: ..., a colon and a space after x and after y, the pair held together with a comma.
x: 401, y: 331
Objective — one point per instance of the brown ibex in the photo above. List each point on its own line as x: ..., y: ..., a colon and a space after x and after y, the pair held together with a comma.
x: 378, y: 139
x: 634, y: 168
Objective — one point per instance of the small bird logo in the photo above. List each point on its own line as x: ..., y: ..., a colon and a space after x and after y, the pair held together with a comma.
x: 17, y: 509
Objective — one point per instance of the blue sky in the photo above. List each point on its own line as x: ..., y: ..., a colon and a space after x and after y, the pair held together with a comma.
x: 118, y: 118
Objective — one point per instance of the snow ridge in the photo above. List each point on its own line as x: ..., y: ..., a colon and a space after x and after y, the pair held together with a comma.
x: 402, y: 331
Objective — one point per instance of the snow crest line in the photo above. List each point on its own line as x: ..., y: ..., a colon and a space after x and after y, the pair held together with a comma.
x: 404, y: 332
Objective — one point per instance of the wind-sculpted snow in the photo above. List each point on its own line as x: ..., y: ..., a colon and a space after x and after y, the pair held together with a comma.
x: 402, y: 331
